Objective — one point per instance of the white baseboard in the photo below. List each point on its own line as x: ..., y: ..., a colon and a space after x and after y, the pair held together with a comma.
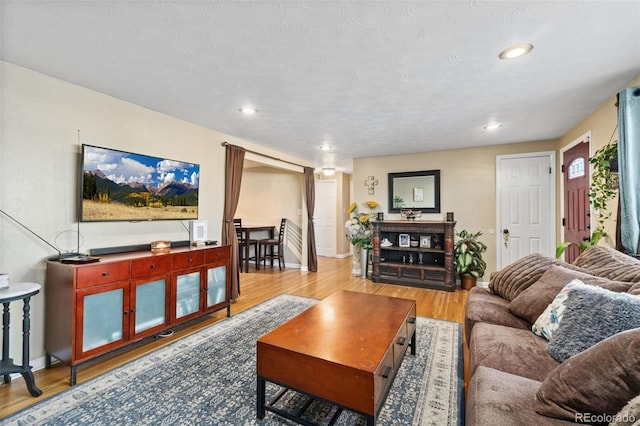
x: 36, y: 364
x: 481, y: 284
x: 275, y: 264
x: 337, y: 255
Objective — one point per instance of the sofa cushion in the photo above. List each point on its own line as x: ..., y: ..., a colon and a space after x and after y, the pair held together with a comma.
x: 498, y: 398
x: 530, y: 303
x: 511, y: 350
x: 490, y: 308
x: 600, y: 380
x: 609, y: 263
x: 516, y: 277
x: 591, y: 315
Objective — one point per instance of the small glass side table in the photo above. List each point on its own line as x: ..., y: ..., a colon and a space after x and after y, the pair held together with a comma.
x: 15, y: 292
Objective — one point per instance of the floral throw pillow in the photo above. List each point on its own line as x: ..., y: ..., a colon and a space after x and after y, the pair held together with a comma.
x: 547, y: 323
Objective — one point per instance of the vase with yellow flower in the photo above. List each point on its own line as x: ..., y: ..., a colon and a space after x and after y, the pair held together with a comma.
x: 359, y: 232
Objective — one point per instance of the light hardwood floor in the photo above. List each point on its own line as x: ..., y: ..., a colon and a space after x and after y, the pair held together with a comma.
x: 333, y: 274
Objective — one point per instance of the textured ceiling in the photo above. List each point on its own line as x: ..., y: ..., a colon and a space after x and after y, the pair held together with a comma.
x: 368, y: 78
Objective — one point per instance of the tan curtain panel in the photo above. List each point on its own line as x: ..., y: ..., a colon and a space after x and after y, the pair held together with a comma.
x: 233, y: 179
x: 310, y: 187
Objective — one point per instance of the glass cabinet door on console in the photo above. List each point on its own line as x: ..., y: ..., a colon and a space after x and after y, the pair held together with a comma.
x: 216, y: 286
x: 103, y: 322
x: 217, y: 279
x: 148, y: 305
x: 187, y: 293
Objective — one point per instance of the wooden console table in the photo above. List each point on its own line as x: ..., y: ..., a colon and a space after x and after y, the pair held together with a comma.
x: 19, y: 291
x: 346, y: 350
x: 93, y: 309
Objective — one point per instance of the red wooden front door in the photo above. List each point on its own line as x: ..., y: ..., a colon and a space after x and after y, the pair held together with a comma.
x: 576, y: 198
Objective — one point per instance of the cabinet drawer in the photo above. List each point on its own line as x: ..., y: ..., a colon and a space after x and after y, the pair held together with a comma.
x: 103, y: 274
x: 216, y: 255
x: 433, y: 275
x: 383, y: 376
x: 403, y: 338
x: 401, y: 343
x: 187, y: 259
x: 389, y: 270
x: 152, y: 265
x: 411, y: 273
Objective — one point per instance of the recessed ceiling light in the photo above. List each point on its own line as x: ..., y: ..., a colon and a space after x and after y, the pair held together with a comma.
x: 516, y: 51
x: 492, y: 126
x: 326, y: 147
x: 248, y: 110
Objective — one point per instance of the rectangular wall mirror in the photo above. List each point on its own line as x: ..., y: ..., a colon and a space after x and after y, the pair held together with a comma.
x: 415, y: 191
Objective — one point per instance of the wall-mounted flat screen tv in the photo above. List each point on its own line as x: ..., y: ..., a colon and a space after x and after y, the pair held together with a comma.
x: 124, y: 186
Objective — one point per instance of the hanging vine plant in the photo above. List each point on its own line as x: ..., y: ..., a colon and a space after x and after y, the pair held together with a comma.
x: 604, y: 182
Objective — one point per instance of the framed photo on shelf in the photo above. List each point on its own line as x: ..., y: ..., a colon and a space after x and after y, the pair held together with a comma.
x: 403, y: 240
x: 425, y: 241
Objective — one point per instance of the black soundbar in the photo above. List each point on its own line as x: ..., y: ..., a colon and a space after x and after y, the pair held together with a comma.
x: 135, y: 247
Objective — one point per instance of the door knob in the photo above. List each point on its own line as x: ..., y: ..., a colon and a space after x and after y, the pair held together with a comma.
x: 505, y: 237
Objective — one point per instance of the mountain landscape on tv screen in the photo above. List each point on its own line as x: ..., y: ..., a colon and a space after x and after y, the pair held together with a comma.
x: 170, y: 193
x: 136, y: 187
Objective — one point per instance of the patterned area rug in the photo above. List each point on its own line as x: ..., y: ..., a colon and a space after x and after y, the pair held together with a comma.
x: 209, y: 378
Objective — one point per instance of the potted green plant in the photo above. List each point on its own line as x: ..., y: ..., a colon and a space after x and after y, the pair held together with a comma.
x: 468, y: 258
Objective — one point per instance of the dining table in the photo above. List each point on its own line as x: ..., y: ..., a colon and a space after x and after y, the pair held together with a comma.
x: 246, y: 232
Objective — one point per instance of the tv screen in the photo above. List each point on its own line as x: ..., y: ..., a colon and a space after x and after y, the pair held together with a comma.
x: 124, y: 186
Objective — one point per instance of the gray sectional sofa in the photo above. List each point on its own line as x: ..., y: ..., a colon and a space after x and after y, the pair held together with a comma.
x: 588, y: 371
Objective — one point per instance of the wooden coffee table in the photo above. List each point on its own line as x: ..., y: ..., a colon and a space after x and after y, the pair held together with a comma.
x: 345, y: 350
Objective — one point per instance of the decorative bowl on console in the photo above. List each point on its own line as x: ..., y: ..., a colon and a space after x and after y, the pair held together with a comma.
x: 410, y: 214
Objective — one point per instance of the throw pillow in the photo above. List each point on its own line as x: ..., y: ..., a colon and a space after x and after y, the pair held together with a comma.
x: 531, y: 302
x: 629, y: 415
x: 596, y: 382
x: 609, y: 263
x: 516, y: 277
x: 547, y: 323
x: 592, y: 314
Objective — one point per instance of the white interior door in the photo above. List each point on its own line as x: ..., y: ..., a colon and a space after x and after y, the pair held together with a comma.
x: 526, y: 206
x: 324, y: 217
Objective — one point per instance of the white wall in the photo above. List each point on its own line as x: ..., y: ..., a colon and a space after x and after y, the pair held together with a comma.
x: 268, y: 194
x: 39, y: 165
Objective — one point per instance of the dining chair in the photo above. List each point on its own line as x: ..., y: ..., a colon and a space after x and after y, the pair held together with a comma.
x: 272, y: 248
x: 244, y: 251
